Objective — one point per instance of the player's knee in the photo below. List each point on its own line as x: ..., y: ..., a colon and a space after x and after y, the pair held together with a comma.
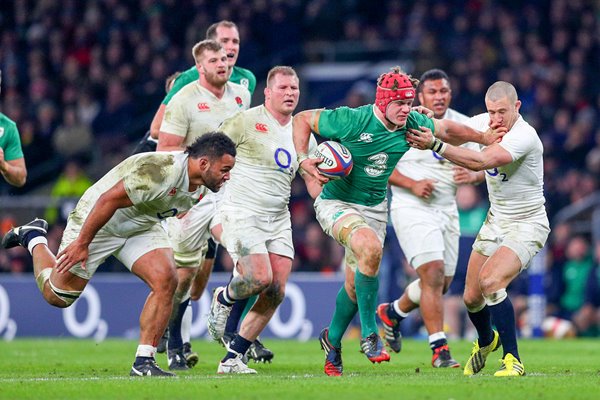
x: 488, y: 285
x: 275, y: 294
x: 473, y: 302
x: 58, y: 297
x: 496, y: 297
x: 432, y: 275
x: 369, y: 257
x: 164, y: 282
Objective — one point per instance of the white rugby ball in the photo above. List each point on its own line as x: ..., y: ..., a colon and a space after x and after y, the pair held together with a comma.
x: 337, y: 160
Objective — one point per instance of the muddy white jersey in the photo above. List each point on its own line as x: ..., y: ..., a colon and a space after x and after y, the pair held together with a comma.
x: 194, y: 110
x: 265, y: 165
x: 426, y: 164
x: 156, y: 183
x: 516, y: 190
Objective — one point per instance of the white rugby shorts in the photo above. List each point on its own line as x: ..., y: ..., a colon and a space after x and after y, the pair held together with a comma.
x: 328, y: 212
x: 127, y: 250
x: 245, y: 234
x: 427, y: 234
x: 526, y: 237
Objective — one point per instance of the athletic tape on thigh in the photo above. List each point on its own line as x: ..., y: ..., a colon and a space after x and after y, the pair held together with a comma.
x: 68, y: 296
x: 42, y: 278
x: 350, y: 224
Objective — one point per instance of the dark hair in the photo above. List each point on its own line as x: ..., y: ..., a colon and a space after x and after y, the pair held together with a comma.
x: 212, y: 145
x: 433, y: 75
x: 211, y: 32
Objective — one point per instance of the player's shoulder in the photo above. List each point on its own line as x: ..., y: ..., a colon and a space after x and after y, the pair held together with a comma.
x: 6, y: 122
x: 454, y: 115
x: 479, y: 121
x: 243, y: 76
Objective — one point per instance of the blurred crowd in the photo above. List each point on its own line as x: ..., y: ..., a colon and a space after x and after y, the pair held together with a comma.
x: 82, y: 81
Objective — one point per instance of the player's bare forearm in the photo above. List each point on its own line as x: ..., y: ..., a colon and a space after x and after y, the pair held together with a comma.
x: 301, y: 131
x: 455, y: 133
x: 14, y: 171
x: 169, y: 142
x: 106, y: 206
x: 157, y: 121
x: 313, y: 186
x: 400, y: 180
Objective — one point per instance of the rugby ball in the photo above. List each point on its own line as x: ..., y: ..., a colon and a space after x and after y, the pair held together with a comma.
x: 337, y: 160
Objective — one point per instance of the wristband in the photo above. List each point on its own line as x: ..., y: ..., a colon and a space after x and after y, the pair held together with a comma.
x: 302, y: 157
x: 438, y: 146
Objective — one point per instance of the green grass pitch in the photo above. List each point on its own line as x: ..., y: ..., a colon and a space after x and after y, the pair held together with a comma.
x: 82, y: 369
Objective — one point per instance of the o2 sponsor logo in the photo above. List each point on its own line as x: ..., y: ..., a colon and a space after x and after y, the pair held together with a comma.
x: 495, y: 172
x: 91, y: 325
x: 8, y: 327
x: 283, y: 159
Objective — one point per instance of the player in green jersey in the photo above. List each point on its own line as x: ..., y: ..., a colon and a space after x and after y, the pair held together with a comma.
x: 353, y: 210
x: 12, y: 163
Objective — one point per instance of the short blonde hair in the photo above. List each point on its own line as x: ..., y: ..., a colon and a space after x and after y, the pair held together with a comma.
x: 500, y: 90
x: 280, y: 69
x: 202, y: 46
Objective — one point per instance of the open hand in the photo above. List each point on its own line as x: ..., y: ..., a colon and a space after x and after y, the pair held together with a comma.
x: 71, y: 255
x: 421, y: 138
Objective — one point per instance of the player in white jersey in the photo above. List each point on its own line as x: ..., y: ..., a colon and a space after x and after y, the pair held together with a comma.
x: 425, y: 218
x: 198, y: 107
x: 119, y: 215
x: 516, y: 227
x: 255, y: 218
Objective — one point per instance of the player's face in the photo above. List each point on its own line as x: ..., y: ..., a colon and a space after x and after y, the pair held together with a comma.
x: 397, y: 111
x: 217, y: 172
x: 503, y: 112
x: 282, y: 94
x: 436, y: 95
x: 229, y: 38
x: 213, y: 65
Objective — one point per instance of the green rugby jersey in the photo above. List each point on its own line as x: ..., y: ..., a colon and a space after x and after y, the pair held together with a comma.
x: 239, y: 75
x: 10, y: 141
x: 375, y: 151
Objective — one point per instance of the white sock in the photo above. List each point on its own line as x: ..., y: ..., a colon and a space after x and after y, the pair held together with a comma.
x: 145, y: 350
x: 401, y: 313
x: 436, y: 336
x: 35, y: 241
x: 186, y: 323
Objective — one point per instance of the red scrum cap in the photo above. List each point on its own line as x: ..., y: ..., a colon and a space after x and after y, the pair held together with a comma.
x: 392, y: 86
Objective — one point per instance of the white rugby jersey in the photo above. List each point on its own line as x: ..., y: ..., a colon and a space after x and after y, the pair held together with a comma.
x: 156, y: 183
x: 194, y: 110
x: 426, y: 164
x: 266, y: 163
x: 516, y: 190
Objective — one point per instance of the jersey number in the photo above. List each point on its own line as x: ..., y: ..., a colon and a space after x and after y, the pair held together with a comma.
x: 378, y: 164
x: 495, y: 172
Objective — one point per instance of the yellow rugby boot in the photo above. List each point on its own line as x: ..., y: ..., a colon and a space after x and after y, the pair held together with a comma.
x: 510, y: 367
x: 476, y: 362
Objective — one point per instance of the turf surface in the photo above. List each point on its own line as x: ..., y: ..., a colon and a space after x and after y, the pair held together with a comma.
x: 67, y: 368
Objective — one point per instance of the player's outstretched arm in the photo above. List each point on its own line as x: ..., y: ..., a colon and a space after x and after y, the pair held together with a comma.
x: 457, y: 133
x: 304, y: 123
x: 492, y: 156
x: 169, y: 142
x: 106, y: 206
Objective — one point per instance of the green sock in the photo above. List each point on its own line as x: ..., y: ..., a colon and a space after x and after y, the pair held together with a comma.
x: 366, y: 296
x: 345, y: 310
x: 251, y: 302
